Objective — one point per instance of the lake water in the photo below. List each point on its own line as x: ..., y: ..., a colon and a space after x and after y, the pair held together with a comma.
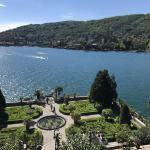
x: 24, y: 69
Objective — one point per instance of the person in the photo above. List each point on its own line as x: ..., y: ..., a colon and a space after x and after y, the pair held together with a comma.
x: 54, y: 110
x: 51, y: 106
x: 47, y: 100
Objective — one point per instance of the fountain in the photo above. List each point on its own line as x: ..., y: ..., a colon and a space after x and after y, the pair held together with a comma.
x: 52, y: 122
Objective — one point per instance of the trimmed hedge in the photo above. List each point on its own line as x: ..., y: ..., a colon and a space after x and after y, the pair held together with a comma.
x: 65, y: 112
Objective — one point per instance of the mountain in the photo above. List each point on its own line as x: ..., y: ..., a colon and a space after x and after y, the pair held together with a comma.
x: 131, y: 32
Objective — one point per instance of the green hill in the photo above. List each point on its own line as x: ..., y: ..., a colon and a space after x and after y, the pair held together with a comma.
x: 130, y: 32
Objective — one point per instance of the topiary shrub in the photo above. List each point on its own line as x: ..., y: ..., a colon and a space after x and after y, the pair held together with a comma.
x: 99, y: 107
x: 66, y: 101
x: 27, y: 122
x: 125, y: 116
x: 107, y: 113
x: 76, y: 117
x: 71, y: 108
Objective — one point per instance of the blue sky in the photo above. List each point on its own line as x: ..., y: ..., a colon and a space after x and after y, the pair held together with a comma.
x: 19, y: 12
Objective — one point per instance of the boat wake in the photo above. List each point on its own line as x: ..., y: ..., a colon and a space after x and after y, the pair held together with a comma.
x: 38, y: 57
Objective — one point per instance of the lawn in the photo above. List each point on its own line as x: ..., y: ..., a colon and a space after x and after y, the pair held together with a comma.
x: 82, y: 107
x: 19, y: 113
x: 109, y: 129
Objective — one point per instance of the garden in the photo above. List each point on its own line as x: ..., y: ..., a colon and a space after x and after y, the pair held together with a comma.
x: 82, y: 107
x: 18, y: 114
x: 99, y: 125
x: 17, y: 137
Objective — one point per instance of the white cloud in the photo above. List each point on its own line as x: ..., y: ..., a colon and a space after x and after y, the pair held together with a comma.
x: 67, y: 16
x: 2, y: 5
x: 4, y: 27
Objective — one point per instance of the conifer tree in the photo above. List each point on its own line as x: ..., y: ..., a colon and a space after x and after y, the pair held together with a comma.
x: 125, y: 116
x: 103, y: 89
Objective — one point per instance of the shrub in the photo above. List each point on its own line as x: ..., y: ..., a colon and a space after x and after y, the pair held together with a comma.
x: 144, y: 135
x: 107, y: 113
x: 76, y: 117
x: 125, y: 116
x: 71, y: 108
x: 124, y: 136
x: 66, y: 101
x: 27, y: 123
x: 99, y: 107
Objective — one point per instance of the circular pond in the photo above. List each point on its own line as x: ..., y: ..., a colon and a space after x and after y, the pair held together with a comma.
x: 51, y: 122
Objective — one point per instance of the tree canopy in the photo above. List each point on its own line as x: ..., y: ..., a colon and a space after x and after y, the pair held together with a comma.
x: 103, y: 89
x: 38, y: 94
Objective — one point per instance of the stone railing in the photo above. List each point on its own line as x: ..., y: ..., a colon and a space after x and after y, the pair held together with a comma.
x: 32, y: 102
x: 139, y: 122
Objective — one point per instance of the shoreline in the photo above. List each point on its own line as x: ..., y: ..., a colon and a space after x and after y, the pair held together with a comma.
x: 77, y: 49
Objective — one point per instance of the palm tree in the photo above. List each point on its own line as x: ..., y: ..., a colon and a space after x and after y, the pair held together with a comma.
x: 38, y: 94
x: 58, y: 90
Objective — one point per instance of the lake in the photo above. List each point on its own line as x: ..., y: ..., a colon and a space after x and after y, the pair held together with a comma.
x: 24, y: 69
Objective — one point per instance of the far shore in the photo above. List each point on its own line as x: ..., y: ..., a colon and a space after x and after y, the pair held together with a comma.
x: 80, y: 49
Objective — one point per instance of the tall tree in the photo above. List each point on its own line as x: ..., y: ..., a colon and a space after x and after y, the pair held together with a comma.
x: 57, y: 91
x: 2, y: 101
x: 125, y: 116
x: 38, y: 94
x: 103, y: 89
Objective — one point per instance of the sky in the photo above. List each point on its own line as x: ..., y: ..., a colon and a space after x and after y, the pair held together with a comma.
x: 14, y: 13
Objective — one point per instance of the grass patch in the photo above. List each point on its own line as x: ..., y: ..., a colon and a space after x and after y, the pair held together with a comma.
x: 82, y: 107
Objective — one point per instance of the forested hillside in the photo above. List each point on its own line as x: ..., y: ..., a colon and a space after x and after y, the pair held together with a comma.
x: 130, y: 32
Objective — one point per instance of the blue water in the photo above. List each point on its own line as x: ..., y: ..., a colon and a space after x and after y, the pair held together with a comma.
x: 24, y: 69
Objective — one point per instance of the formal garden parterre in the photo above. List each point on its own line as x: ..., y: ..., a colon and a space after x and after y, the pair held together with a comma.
x: 84, y: 107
